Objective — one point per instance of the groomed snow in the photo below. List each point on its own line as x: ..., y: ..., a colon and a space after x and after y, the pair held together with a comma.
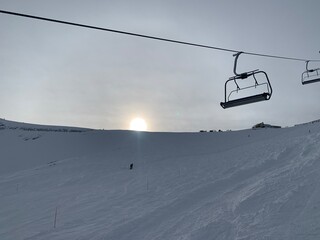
x: 69, y: 183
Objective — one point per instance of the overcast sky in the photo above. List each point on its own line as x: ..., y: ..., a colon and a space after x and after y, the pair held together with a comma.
x: 63, y: 75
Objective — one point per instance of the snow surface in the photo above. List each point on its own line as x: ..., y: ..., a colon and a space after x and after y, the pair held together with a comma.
x: 71, y: 183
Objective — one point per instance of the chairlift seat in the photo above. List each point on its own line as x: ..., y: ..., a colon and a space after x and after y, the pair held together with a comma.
x: 311, y: 81
x: 246, y: 100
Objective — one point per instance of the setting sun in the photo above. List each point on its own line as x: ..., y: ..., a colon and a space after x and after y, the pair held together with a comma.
x: 138, y: 124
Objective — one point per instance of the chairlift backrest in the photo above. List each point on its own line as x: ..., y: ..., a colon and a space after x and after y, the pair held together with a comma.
x: 242, y: 76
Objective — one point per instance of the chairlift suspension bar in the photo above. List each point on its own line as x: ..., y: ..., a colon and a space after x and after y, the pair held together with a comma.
x: 235, y: 63
x: 307, y: 62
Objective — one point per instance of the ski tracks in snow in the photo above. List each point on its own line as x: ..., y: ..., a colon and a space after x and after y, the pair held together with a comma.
x: 229, y: 194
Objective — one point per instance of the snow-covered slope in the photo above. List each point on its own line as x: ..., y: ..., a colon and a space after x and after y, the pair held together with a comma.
x: 250, y: 184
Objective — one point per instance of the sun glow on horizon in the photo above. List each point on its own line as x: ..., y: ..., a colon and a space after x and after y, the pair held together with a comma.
x: 138, y: 124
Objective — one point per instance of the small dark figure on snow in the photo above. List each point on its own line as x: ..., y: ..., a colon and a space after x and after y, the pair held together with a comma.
x: 131, y: 166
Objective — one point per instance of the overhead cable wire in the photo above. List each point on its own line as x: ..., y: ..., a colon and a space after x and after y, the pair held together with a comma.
x: 153, y: 37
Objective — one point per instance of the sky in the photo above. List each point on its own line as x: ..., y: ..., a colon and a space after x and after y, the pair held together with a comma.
x: 63, y: 75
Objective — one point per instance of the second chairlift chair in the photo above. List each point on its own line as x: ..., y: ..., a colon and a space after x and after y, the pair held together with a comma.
x: 245, y: 75
x: 310, y: 75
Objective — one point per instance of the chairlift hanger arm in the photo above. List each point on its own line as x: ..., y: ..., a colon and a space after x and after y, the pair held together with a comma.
x: 235, y: 63
x: 307, y: 63
x: 243, y: 75
x: 310, y: 70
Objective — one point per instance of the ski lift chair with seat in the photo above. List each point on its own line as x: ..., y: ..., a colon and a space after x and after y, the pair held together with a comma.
x: 246, y: 75
x: 310, y: 75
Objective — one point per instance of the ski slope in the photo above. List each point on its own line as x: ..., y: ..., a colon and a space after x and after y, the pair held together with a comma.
x: 61, y: 183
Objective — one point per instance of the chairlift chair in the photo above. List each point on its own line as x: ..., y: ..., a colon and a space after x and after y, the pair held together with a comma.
x: 310, y: 75
x: 246, y: 75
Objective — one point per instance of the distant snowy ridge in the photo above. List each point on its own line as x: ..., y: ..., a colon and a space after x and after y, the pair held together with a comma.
x: 314, y: 121
x: 5, y: 124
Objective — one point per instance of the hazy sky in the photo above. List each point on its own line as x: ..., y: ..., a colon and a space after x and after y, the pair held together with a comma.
x: 63, y: 75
